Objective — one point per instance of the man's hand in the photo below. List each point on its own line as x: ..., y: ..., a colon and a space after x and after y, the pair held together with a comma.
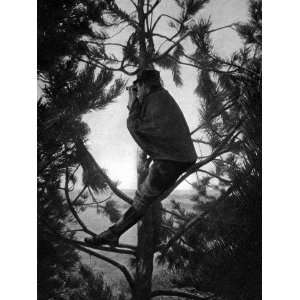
x: 132, y: 96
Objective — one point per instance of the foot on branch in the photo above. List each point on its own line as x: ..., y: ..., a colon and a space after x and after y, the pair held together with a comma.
x: 107, y: 237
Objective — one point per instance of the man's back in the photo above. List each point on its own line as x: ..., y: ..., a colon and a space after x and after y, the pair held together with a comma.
x: 160, y: 129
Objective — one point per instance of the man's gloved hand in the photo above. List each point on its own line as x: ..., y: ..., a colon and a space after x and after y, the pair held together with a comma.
x: 132, y: 92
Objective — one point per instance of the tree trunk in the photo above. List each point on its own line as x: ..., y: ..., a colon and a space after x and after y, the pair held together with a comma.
x: 148, y: 227
x: 145, y: 244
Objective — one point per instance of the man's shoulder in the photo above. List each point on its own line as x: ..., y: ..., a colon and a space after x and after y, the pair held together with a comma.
x: 161, y: 96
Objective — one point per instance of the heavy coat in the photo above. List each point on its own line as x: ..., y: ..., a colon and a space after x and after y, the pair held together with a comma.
x: 160, y: 129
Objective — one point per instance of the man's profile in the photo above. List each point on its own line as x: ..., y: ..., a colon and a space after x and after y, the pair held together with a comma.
x: 158, y: 126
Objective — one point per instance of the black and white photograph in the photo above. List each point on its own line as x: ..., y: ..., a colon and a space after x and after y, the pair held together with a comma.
x: 149, y: 149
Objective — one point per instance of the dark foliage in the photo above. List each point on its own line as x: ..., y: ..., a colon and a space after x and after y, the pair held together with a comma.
x: 61, y: 27
x: 69, y: 90
x: 222, y: 253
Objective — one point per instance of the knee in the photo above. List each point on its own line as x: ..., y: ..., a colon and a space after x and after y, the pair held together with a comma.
x: 140, y: 204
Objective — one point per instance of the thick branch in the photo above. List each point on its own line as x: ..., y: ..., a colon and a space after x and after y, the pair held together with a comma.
x: 218, y: 151
x: 104, y: 248
x: 121, y: 267
x: 178, y: 293
x: 103, y: 66
x: 191, y: 170
x: 59, y: 236
x: 81, y: 147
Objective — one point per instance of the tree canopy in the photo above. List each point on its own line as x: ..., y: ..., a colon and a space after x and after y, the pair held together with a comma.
x: 216, y: 246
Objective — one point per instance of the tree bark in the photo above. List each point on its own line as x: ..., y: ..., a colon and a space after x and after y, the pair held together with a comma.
x: 145, y: 243
x: 148, y: 227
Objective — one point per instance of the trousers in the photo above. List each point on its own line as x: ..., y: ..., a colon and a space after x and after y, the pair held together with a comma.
x: 162, y: 175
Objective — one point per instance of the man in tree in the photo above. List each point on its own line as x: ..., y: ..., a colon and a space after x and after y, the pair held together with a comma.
x: 158, y: 126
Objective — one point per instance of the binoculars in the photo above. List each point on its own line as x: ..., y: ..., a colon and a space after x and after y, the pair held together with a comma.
x: 132, y: 87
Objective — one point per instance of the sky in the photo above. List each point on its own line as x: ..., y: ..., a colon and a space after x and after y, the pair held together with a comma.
x: 109, y: 141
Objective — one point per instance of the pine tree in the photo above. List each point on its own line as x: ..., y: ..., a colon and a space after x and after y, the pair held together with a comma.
x: 68, y: 91
x: 221, y: 254
x: 77, y: 79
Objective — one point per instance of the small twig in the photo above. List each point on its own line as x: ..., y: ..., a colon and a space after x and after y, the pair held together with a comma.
x: 212, y: 117
x: 175, y: 214
x: 223, y: 27
x: 174, y: 232
x: 133, y: 3
x: 188, y: 182
x: 178, y: 293
x: 122, y: 14
x: 153, y: 7
x: 79, y: 195
x: 89, y: 204
x: 163, y: 15
x: 114, y: 44
x: 173, y: 46
x: 75, y: 170
x: 94, y: 198
x: 112, y: 36
x: 73, y: 211
x: 216, y: 176
x: 164, y: 248
x: 198, y: 179
x: 200, y: 141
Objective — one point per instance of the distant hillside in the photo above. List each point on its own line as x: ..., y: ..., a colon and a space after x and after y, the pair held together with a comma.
x: 179, y: 195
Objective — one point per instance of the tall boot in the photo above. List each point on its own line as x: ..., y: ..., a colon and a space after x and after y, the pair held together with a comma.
x: 112, y: 234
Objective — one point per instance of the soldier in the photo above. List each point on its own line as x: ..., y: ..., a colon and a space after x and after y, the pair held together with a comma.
x: 158, y: 126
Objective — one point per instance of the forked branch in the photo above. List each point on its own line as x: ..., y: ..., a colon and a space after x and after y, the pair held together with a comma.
x: 121, y: 267
x: 164, y: 248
